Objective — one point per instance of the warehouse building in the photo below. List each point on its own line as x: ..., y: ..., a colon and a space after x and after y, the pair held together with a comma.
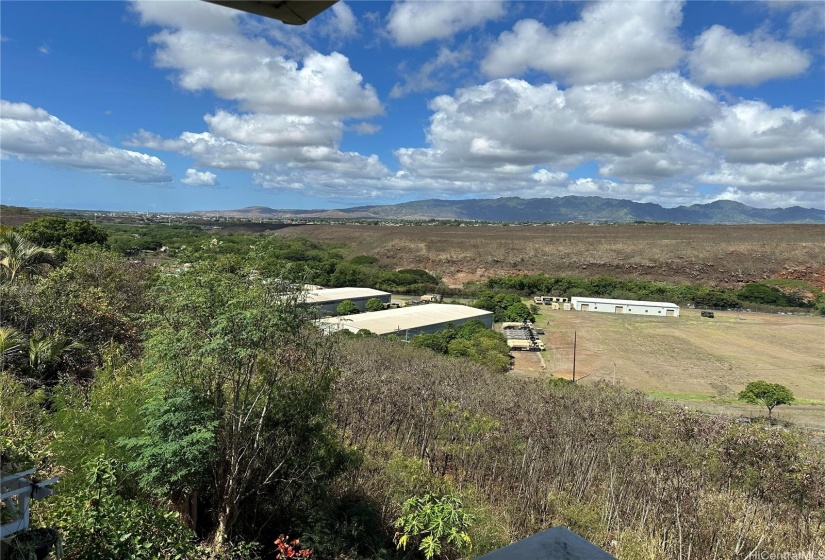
x: 408, y: 321
x: 328, y: 299
x: 655, y: 308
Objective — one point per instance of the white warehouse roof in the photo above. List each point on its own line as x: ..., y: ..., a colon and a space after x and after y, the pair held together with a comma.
x: 340, y: 294
x: 405, y: 318
x: 622, y: 302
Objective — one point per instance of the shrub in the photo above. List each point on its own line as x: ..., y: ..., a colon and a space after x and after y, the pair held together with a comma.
x: 347, y: 307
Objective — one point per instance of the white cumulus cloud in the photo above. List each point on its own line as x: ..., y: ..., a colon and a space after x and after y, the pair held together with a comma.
x: 679, y: 157
x: 721, y: 57
x: 802, y: 175
x: 434, y: 73
x: 32, y: 133
x: 345, y: 23
x: 412, y: 22
x: 763, y: 199
x: 214, y: 53
x: 515, y: 123
x: 252, y: 72
x: 754, y: 132
x: 275, y: 130
x: 663, y: 102
x: 194, y: 15
x: 611, y: 41
x: 199, y: 178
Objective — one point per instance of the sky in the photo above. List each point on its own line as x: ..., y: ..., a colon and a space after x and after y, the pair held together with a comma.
x: 155, y: 105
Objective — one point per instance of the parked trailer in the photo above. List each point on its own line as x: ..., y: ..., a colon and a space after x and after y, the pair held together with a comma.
x: 518, y: 334
x: 514, y: 325
x: 526, y: 345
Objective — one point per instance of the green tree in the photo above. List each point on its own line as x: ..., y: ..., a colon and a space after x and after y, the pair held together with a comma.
x: 347, y: 307
x: 20, y: 257
x: 767, y: 394
x: 177, y: 446
x: 438, y: 523
x: 63, y: 235
x: 437, y: 342
x: 519, y: 312
x: 374, y: 304
x: 247, y: 348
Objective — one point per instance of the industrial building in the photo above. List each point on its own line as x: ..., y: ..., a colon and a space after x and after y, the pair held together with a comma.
x: 601, y: 305
x: 328, y: 299
x: 408, y: 321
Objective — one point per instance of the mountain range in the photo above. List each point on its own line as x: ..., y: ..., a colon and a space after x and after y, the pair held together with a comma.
x: 562, y: 209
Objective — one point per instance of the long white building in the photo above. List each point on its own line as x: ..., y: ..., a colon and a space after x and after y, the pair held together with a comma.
x: 408, y: 321
x: 620, y: 306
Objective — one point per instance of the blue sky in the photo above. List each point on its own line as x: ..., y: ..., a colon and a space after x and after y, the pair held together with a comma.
x: 184, y: 105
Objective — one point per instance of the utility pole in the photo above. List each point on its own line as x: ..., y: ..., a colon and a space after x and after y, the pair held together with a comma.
x: 574, y: 356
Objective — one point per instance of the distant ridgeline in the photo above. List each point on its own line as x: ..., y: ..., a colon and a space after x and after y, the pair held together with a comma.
x: 562, y: 209
x: 513, y: 209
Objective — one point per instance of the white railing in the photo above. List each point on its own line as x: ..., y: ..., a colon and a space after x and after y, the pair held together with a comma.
x: 21, y: 486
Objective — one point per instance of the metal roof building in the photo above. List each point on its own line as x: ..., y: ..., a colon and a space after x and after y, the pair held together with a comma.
x: 409, y: 321
x: 633, y: 307
x: 558, y: 543
x: 327, y: 300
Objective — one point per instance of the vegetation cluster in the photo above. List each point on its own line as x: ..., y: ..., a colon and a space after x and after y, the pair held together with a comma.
x: 758, y: 294
x: 472, y: 340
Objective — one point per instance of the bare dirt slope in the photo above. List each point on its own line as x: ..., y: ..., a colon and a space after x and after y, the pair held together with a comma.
x: 719, y: 255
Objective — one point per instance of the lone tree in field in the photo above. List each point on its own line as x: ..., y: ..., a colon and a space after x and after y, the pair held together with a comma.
x: 766, y: 394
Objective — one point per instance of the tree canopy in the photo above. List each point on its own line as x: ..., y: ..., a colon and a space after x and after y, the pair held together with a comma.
x: 766, y: 394
x: 63, y: 235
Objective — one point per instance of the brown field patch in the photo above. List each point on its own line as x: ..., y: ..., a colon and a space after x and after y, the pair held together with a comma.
x: 727, y: 256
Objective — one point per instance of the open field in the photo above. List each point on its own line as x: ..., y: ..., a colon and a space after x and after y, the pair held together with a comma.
x: 700, y: 362
x: 718, y: 255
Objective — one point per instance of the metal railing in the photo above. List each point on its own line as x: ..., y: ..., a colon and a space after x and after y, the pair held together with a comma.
x: 20, y: 488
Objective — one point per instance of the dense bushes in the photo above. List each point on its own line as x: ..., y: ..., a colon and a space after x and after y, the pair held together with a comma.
x: 505, y: 307
x: 639, y: 478
x: 473, y: 340
x: 768, y: 295
x: 324, y: 262
x: 63, y: 235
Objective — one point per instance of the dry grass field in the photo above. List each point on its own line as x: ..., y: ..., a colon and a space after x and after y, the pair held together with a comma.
x: 697, y: 361
x: 725, y: 256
